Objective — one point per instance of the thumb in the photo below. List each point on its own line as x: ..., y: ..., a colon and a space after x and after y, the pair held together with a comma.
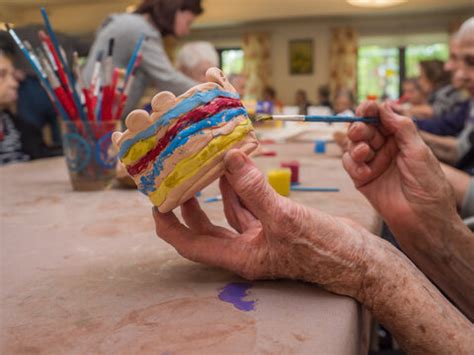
x: 250, y: 185
x: 403, y: 128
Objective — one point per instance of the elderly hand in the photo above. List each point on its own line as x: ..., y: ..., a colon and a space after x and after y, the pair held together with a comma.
x: 397, y: 172
x: 273, y: 238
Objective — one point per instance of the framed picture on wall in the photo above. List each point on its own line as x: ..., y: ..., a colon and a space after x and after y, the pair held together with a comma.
x: 301, y: 56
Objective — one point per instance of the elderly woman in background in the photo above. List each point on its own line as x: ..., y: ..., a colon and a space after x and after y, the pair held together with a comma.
x: 432, y: 79
x: 195, y: 58
x: 155, y: 19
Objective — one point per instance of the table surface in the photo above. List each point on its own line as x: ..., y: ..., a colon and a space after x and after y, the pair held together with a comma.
x: 84, y: 273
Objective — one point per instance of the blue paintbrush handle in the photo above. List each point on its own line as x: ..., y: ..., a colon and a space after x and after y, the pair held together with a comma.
x: 134, y: 56
x: 334, y: 119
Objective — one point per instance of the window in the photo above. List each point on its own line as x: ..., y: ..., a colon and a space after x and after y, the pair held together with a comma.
x: 381, y: 70
x: 232, y: 60
x: 378, y: 72
x: 415, y: 54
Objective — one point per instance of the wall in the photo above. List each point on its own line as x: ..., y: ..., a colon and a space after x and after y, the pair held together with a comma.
x: 387, y: 30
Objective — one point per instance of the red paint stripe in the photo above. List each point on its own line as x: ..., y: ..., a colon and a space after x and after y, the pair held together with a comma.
x: 196, y: 115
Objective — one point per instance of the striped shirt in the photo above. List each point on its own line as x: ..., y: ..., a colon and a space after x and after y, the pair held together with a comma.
x: 10, y: 141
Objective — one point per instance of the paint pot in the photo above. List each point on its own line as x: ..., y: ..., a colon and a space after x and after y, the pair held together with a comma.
x: 280, y: 179
x: 294, y: 166
x: 320, y: 147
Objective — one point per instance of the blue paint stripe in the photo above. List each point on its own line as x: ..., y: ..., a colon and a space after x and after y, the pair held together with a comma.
x: 198, y: 99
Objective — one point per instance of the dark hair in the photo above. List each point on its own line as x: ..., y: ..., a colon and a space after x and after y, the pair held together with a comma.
x: 435, y: 73
x: 268, y: 90
x: 324, y: 91
x: 163, y: 12
x: 414, y: 81
x: 302, y: 93
x: 7, y: 45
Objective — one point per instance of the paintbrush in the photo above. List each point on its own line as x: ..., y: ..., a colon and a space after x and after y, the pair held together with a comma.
x: 133, y: 58
x: 65, y: 67
x: 303, y: 118
x: 39, y: 72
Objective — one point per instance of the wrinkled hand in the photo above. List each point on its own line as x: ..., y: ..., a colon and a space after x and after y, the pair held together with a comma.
x: 273, y: 238
x: 397, y: 172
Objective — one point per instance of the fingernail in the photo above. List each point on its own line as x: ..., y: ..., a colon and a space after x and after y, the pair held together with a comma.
x: 235, y: 162
x: 352, y: 127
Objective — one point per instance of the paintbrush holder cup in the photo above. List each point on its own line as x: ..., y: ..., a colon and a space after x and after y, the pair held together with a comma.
x: 90, y: 156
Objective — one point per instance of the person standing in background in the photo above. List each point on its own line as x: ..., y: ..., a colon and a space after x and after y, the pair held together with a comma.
x: 154, y: 19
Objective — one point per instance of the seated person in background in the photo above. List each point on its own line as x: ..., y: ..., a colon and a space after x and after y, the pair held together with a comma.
x: 344, y: 102
x: 239, y: 82
x: 194, y: 58
x: 275, y: 237
x: 412, y: 94
x: 19, y: 141
x: 301, y: 100
x: 459, y: 151
x: 324, y: 96
x: 270, y: 95
x: 432, y: 79
x: 33, y: 104
x: 452, y: 102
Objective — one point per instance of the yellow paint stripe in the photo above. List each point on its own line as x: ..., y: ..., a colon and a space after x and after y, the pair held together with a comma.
x: 138, y: 150
x: 190, y: 166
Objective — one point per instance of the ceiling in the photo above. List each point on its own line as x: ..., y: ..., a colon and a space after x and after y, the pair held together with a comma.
x: 217, y: 12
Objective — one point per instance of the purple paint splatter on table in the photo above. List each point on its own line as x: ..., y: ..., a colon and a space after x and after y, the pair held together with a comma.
x: 234, y: 293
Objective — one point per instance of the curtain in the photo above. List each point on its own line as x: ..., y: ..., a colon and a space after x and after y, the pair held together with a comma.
x: 343, y: 60
x: 256, y: 47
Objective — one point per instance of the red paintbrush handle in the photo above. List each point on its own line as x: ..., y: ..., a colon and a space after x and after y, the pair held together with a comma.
x: 89, y: 106
x: 65, y: 101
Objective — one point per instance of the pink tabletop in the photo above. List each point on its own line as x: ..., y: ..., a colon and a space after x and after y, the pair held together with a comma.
x: 84, y: 273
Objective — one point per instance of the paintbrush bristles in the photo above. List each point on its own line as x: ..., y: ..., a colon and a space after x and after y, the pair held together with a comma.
x: 263, y: 117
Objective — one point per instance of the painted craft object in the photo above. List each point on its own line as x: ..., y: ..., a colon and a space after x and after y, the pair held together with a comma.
x: 178, y: 149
